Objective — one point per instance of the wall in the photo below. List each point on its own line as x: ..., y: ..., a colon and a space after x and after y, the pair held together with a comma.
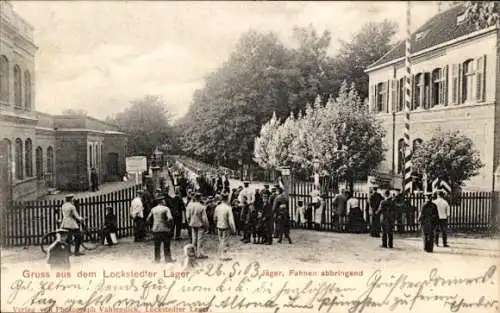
x: 476, y: 120
x: 71, y: 166
x: 114, y: 143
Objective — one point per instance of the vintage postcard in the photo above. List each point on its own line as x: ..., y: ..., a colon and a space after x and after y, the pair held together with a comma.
x: 213, y: 156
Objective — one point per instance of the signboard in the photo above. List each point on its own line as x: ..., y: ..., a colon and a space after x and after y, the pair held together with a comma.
x: 285, y: 171
x: 136, y: 164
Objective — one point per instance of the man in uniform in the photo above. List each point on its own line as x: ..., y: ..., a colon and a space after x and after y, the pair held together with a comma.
x: 375, y: 200
x: 267, y: 219
x: 71, y: 222
x: 387, y: 212
x: 429, y: 219
x: 280, y: 207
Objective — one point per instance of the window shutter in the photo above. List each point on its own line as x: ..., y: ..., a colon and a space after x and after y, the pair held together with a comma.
x: 460, y: 83
x: 480, y: 78
x: 394, y: 95
x: 372, y: 98
x: 387, y: 92
x: 454, y: 82
x: 431, y: 91
x: 375, y: 104
x: 413, y: 92
x: 445, y: 85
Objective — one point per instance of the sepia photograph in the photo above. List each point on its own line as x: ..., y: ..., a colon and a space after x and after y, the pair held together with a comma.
x: 249, y: 156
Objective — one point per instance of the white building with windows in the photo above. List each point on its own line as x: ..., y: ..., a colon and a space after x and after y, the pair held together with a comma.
x: 39, y: 151
x: 455, y: 85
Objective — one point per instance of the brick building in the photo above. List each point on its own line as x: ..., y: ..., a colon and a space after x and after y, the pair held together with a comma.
x: 40, y: 151
x: 455, y: 85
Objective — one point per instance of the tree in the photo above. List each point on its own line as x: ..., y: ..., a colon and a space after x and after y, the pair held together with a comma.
x: 342, y: 137
x: 449, y: 156
x: 366, y: 46
x: 482, y: 14
x: 282, y: 144
x: 79, y: 112
x: 262, y: 146
x: 146, y: 123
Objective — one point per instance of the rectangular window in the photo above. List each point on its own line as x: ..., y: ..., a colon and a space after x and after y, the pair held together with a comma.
x: 381, y: 94
x: 402, y: 91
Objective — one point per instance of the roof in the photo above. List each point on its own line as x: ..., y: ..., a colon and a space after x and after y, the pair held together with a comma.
x: 439, y: 29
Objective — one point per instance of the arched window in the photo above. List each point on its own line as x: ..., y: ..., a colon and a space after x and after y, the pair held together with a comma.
x: 91, y: 163
x: 468, y: 81
x: 39, y: 162
x: 50, y: 160
x: 19, y: 159
x: 401, y: 155
x: 49, y: 177
x: 4, y: 79
x: 27, y: 91
x: 28, y: 157
x: 18, y: 88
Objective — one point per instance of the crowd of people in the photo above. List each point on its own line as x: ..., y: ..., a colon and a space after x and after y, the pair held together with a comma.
x: 206, y: 205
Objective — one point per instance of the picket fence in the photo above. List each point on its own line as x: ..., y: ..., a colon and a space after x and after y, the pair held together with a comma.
x: 473, y: 212
x: 25, y: 222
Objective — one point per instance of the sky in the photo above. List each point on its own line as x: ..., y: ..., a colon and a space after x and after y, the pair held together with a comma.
x: 98, y: 56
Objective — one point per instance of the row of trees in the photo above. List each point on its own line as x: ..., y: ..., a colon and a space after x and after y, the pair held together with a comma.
x: 263, y: 76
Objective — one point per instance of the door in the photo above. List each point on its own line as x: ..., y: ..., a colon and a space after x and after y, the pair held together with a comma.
x: 112, y: 166
x: 5, y: 173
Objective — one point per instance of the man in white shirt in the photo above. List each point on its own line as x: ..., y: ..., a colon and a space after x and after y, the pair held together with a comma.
x: 443, y: 212
x: 250, y: 194
x: 162, y: 229
x: 137, y: 214
x: 224, y: 221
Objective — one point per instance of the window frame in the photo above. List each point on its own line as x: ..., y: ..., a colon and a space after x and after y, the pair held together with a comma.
x: 438, y: 92
x: 19, y: 158
x: 4, y: 80
x: 468, y: 81
x: 18, y: 87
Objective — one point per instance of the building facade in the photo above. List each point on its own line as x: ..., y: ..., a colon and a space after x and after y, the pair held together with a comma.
x: 40, y: 151
x: 455, y: 86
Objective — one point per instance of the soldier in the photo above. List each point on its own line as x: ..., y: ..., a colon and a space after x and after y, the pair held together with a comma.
x: 267, y: 219
x: 386, y: 210
x: 375, y: 200
x: 429, y: 219
x: 280, y: 206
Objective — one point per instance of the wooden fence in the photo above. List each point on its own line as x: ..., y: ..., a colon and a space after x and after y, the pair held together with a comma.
x: 25, y: 222
x: 473, y: 212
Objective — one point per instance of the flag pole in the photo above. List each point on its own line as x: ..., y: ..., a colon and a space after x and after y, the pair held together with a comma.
x: 408, y: 95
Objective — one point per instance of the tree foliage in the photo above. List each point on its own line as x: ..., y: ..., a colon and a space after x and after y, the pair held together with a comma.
x: 262, y: 145
x: 448, y: 155
x: 146, y: 123
x: 342, y: 138
x: 482, y: 14
x: 262, y: 77
x: 366, y: 46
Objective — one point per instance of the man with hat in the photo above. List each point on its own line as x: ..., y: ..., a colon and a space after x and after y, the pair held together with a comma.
x: 429, y: 219
x: 71, y: 221
x: 162, y: 229
x: 388, y: 216
x: 137, y: 215
x: 59, y: 251
x: 375, y: 200
x: 196, y: 215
